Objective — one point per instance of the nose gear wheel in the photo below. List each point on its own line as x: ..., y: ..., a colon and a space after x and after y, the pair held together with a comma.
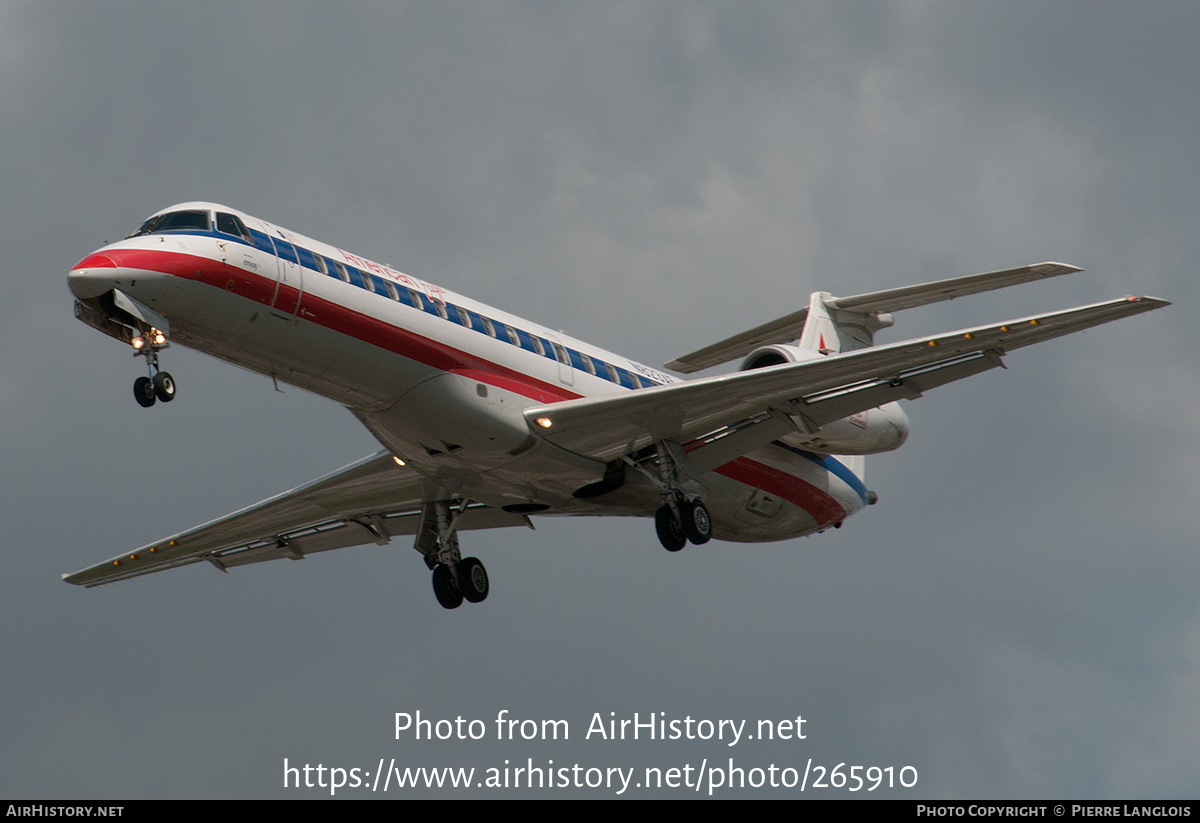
x: 143, y: 390
x: 157, y: 385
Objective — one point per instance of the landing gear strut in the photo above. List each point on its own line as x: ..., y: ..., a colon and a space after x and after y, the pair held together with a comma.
x: 158, y: 385
x: 455, y: 578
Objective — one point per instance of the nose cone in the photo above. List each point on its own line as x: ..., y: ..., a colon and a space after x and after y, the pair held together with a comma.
x: 92, y: 276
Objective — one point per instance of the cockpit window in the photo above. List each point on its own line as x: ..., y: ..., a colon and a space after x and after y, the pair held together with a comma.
x: 232, y: 224
x: 190, y: 220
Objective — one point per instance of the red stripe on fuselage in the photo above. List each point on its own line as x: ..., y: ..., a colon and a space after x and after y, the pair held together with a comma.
x: 344, y: 320
x: 822, y: 506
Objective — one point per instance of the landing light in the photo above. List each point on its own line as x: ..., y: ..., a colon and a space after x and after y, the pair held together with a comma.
x: 159, y: 338
x: 544, y: 422
x: 138, y: 342
x: 399, y: 462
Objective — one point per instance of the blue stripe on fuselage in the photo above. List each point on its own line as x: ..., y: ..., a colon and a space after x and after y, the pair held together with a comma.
x: 831, y: 465
x: 278, y: 247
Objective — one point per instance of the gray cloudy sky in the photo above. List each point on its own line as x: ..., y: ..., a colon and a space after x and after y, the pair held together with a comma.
x: 1016, y: 618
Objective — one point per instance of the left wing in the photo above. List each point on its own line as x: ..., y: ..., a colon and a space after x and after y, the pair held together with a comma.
x: 369, y: 501
x: 817, y: 391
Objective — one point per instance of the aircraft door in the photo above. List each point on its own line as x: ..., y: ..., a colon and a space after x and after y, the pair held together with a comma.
x: 566, y: 373
x: 289, y: 285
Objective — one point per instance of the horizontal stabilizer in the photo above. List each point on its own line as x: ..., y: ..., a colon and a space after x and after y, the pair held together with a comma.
x: 789, y: 327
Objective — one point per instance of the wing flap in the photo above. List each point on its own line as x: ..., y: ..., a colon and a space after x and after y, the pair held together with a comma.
x: 608, y: 427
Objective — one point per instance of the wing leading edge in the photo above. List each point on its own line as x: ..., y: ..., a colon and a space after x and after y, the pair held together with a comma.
x: 369, y: 501
x: 820, y: 390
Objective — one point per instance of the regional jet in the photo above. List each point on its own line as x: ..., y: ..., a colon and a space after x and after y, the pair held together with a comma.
x: 486, y: 419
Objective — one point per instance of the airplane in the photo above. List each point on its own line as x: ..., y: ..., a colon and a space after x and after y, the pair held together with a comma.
x: 485, y: 418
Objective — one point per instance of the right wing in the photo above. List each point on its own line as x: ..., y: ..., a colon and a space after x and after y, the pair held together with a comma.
x: 815, y: 392
x: 369, y: 501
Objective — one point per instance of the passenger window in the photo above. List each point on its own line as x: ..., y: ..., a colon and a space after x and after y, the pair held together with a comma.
x: 341, y: 271
x: 321, y: 267
x: 475, y: 319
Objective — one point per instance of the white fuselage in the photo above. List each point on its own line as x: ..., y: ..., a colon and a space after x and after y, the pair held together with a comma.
x: 441, y: 380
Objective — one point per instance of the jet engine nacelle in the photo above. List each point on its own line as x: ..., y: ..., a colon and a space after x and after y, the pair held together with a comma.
x: 775, y: 356
x: 875, y: 430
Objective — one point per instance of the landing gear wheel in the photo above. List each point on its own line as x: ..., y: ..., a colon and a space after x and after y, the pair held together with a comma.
x: 670, y: 533
x: 164, y: 387
x: 472, y: 580
x: 143, y: 390
x: 445, y: 588
x: 696, y: 523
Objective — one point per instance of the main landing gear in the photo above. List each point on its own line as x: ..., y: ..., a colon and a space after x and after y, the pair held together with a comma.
x: 683, y: 516
x: 158, y: 385
x: 685, y: 520
x: 455, y: 578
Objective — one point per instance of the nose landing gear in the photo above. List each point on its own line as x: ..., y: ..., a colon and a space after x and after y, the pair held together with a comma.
x: 158, y: 385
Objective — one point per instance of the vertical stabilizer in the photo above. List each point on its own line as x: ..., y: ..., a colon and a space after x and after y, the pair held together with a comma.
x: 830, y: 331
